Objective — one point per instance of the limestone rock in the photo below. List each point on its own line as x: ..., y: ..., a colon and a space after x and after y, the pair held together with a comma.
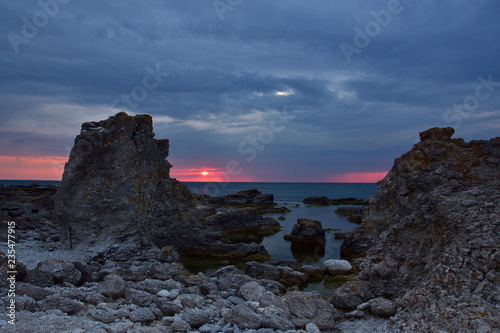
x: 142, y: 315
x: 382, y: 307
x: 60, y: 303
x: 308, y: 308
x: 351, y: 294
x: 245, y: 317
x: 61, y: 271
x: 116, y: 194
x: 248, y: 197
x: 337, y: 267
x: 261, y: 270
x: 113, y: 286
x: 252, y: 291
x: 437, y: 134
x: 431, y: 234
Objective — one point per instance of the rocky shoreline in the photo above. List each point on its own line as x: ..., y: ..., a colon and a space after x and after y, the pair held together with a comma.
x: 102, y: 254
x: 63, y: 290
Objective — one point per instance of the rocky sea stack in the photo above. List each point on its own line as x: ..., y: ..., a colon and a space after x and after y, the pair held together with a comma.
x: 431, y: 236
x: 116, y: 198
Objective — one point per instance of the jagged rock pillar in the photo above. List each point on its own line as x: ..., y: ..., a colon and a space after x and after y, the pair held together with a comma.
x: 115, y: 169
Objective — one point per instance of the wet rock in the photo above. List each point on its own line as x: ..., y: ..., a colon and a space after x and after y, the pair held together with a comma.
x: 248, y: 197
x: 307, y: 231
x: 247, y: 220
x: 337, y: 267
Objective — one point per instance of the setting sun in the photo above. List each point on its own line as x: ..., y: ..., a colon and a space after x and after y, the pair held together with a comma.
x: 204, y: 173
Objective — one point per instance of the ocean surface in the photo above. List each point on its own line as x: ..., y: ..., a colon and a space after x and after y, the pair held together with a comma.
x: 289, y: 191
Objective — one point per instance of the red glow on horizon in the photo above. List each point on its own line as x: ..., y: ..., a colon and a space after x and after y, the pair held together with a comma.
x: 357, y: 177
x: 32, y: 167
x: 52, y: 168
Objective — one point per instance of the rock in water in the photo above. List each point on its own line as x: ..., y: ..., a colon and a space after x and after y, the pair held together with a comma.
x: 307, y: 231
x: 431, y: 236
x: 117, y: 199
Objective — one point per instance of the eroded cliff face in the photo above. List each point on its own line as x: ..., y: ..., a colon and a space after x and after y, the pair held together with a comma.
x: 431, y: 235
x: 116, y: 197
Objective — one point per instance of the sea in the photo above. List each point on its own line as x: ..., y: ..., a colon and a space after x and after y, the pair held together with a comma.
x: 290, y: 195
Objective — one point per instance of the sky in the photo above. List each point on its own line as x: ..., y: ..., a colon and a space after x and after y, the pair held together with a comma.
x: 248, y: 90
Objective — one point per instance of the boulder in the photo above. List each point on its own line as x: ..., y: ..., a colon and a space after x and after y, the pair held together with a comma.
x: 261, y: 271
x: 61, y: 271
x: 308, y: 232
x: 252, y: 291
x: 248, y: 197
x: 245, y: 318
x: 319, y: 201
x: 337, y: 267
x: 196, y: 317
x: 138, y: 297
x: 243, y: 220
x: 382, y: 307
x: 60, y: 303
x: 350, y: 295
x: 437, y: 134
x: 102, y: 316
x: 113, y: 286
x: 309, y: 307
x: 142, y: 315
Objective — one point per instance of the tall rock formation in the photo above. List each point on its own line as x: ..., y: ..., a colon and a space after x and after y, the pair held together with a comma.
x: 116, y: 196
x: 431, y: 235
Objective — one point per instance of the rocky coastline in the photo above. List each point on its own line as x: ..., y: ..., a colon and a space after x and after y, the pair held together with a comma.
x: 102, y: 253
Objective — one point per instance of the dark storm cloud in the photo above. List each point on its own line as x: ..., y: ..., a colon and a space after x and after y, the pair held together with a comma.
x: 226, y: 78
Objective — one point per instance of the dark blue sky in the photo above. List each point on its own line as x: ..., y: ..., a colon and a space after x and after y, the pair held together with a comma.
x: 289, y: 90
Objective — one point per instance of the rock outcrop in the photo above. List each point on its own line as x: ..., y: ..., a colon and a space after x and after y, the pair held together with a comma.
x: 116, y: 197
x: 307, y: 232
x: 431, y: 235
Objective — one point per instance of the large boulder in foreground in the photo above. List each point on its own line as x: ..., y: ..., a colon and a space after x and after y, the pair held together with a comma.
x: 116, y: 197
x: 431, y: 235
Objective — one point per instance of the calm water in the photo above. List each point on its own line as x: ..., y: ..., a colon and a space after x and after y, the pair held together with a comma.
x: 291, y: 196
x: 289, y: 191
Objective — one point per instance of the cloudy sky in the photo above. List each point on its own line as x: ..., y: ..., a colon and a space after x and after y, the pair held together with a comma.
x: 287, y: 90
